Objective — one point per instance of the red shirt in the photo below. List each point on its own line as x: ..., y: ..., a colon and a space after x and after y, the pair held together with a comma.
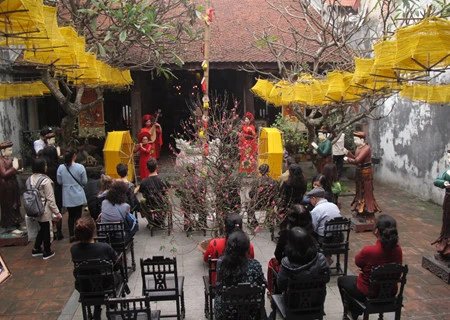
x: 215, y: 249
x: 372, y: 256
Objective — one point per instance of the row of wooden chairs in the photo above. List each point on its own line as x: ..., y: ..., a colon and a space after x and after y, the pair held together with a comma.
x: 99, y: 284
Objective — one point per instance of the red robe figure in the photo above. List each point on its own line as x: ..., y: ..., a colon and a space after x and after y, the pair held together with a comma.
x: 364, y: 202
x: 146, y: 151
x: 150, y: 125
x: 9, y: 189
x: 248, y: 145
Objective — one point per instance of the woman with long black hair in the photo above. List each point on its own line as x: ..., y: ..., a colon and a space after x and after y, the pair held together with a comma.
x: 236, y: 267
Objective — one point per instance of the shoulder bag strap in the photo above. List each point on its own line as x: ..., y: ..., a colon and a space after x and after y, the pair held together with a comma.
x: 124, y: 220
x: 73, y: 176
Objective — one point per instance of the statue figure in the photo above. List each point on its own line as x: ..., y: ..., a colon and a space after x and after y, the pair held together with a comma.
x: 364, y: 203
x: 443, y: 242
x: 248, y: 145
x: 323, y: 149
x: 9, y: 188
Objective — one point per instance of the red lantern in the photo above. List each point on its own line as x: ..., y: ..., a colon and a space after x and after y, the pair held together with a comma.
x: 203, y: 85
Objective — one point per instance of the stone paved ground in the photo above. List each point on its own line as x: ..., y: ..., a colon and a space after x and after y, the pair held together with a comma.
x: 42, y: 289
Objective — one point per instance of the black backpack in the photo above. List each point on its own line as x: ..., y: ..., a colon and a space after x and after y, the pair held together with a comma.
x: 32, y: 199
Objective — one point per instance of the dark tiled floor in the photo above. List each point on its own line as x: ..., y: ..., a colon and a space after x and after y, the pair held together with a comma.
x: 39, y: 289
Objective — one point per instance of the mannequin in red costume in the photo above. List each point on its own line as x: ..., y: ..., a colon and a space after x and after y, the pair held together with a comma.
x: 364, y: 203
x: 9, y: 188
x: 148, y: 121
x: 146, y: 151
x: 248, y: 145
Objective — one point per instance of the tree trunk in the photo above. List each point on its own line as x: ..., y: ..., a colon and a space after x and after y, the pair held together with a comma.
x: 67, y: 127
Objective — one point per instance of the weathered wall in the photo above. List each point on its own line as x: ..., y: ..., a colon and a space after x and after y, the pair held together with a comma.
x: 412, y: 143
x: 11, y: 119
x: 11, y: 124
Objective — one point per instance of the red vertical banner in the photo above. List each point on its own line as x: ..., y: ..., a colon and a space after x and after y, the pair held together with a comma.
x: 91, y: 122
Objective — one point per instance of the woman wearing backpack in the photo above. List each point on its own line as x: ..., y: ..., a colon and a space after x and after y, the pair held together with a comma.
x: 72, y: 176
x: 39, y: 168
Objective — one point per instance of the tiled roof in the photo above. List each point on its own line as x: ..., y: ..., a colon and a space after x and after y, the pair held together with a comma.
x: 231, y: 33
x: 346, y: 3
x: 232, y: 40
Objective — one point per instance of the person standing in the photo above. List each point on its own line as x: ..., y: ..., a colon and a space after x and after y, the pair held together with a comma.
x: 9, y: 188
x: 72, y: 176
x: 443, y: 242
x: 40, y: 143
x: 146, y: 151
x: 385, y: 250
x: 338, y: 154
x: 364, y: 203
x: 51, y: 154
x: 51, y: 210
x: 150, y: 124
x: 248, y: 145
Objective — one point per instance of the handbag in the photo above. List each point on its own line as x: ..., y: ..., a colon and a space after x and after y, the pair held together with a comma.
x: 130, y: 221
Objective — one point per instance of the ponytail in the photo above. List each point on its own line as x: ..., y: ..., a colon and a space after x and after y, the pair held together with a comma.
x: 387, y: 229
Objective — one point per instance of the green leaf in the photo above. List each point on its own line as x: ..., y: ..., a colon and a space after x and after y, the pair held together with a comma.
x: 108, y: 36
x: 94, y: 25
x: 123, y: 36
x: 101, y: 49
x: 89, y: 11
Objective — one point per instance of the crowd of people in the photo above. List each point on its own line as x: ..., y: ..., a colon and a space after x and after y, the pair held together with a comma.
x: 301, y: 213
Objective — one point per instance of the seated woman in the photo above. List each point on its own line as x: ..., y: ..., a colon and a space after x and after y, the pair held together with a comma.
x: 87, y: 249
x: 386, y: 250
x: 330, y: 173
x: 216, y: 246
x: 235, y: 267
x: 114, y: 207
x: 302, y: 258
x: 319, y: 181
x: 298, y: 216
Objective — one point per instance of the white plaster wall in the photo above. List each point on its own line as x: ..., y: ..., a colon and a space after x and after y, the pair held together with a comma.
x: 412, y: 143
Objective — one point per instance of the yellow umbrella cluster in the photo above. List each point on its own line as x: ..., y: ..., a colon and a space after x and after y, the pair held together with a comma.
x: 398, y: 63
x: 32, y: 27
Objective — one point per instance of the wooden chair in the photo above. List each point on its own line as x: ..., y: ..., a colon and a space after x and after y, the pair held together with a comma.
x: 160, y: 282
x: 336, y: 242
x: 210, y: 288
x: 386, y: 287
x: 96, y: 280
x: 114, y: 233
x: 272, y: 276
x: 131, y: 308
x: 243, y: 301
x: 303, y: 299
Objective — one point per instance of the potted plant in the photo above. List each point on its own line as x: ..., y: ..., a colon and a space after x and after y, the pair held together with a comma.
x: 294, y: 141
